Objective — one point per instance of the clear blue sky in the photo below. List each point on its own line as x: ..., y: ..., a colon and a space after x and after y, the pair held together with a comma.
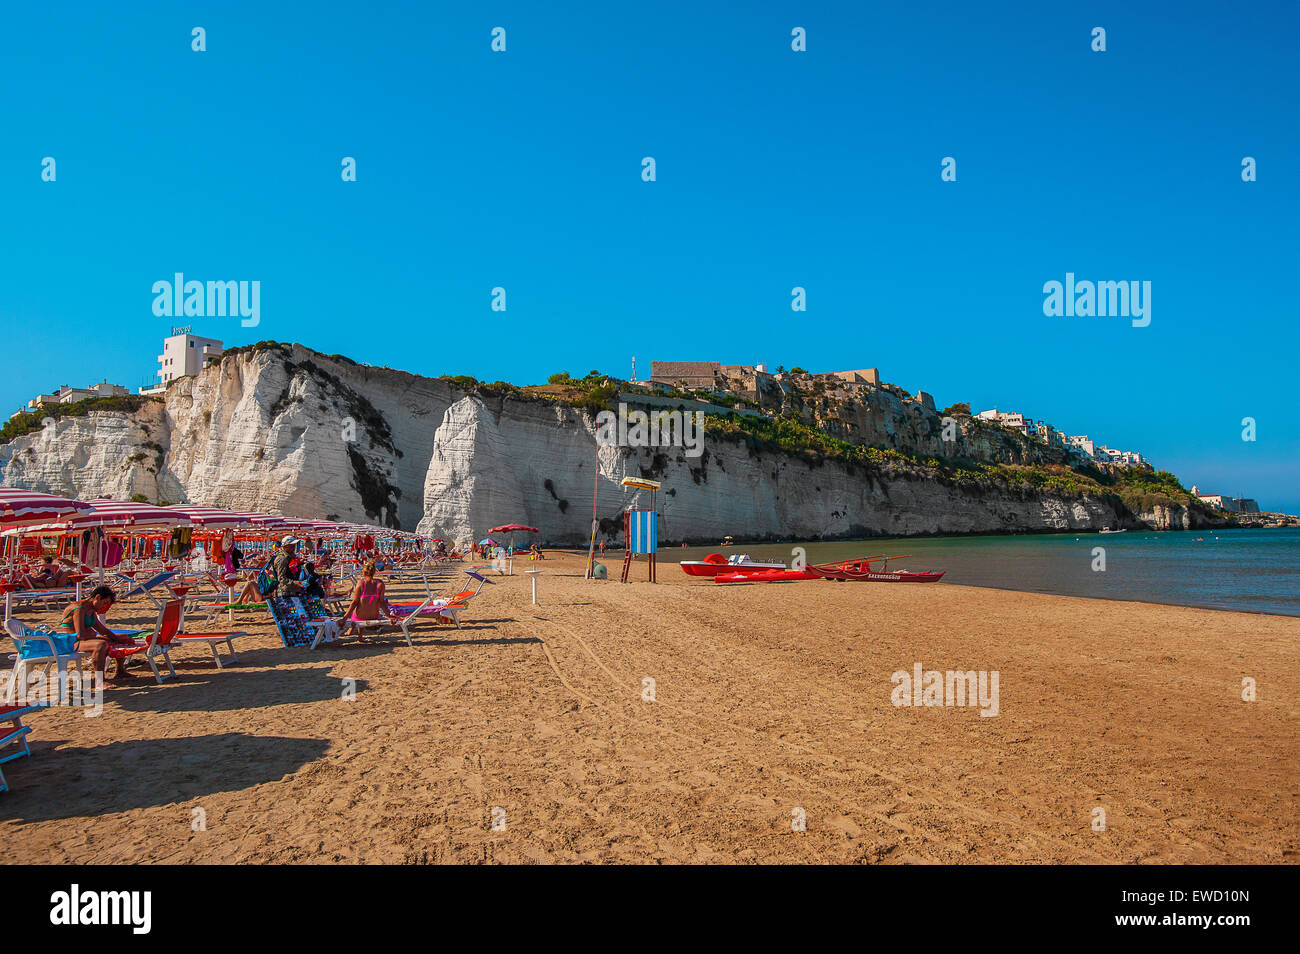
x: 775, y: 169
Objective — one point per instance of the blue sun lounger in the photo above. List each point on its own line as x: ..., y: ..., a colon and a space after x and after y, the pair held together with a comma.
x: 14, y: 733
x: 142, y: 589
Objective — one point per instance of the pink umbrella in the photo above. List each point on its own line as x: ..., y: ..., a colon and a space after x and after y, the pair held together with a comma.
x: 129, y: 513
x: 510, y: 528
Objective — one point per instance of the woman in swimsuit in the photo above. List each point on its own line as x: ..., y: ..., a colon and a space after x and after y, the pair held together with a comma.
x: 82, y: 618
x: 368, y: 602
x: 50, y: 576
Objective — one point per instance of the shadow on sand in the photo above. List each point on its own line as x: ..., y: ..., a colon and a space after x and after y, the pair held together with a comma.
x: 73, y: 782
x: 210, y: 690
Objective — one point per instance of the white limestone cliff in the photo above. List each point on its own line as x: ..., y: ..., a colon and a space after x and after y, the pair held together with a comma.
x: 281, y: 428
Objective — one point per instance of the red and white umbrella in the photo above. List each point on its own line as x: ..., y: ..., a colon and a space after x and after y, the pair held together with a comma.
x: 212, y: 516
x: 130, y: 513
x: 29, y: 507
x: 109, y: 513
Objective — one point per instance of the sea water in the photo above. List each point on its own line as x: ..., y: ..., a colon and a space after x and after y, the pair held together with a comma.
x: 1250, y: 570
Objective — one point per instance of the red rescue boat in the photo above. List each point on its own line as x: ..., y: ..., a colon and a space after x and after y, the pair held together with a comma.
x: 716, y: 563
x: 862, y: 572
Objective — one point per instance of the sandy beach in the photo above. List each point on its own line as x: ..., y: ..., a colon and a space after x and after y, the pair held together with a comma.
x: 770, y: 704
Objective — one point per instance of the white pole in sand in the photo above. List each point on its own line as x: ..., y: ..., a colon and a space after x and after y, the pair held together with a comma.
x: 534, y: 574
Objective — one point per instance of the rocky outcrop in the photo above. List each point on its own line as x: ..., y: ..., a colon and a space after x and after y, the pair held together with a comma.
x: 284, y: 429
x: 104, y: 454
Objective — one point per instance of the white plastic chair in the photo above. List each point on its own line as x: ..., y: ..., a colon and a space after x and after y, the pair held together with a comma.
x: 22, y: 635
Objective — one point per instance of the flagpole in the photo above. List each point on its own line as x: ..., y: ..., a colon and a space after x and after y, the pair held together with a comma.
x: 595, y: 488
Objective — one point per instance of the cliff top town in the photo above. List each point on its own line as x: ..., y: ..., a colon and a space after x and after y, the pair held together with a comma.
x: 754, y: 386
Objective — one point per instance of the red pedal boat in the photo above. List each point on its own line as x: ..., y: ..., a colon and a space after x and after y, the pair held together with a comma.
x: 861, y: 571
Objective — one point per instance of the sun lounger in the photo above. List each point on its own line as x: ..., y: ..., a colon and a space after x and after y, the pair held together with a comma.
x: 142, y: 589
x: 220, y: 607
x: 44, y: 597
x: 449, y: 607
x: 364, y: 626
x: 167, y: 636
x: 14, y: 733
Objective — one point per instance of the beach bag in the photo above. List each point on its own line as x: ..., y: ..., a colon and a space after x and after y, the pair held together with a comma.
x: 65, y: 644
x: 266, y: 581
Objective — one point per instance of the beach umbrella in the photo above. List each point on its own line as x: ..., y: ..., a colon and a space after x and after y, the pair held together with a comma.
x: 131, y: 516
x: 128, y: 513
x: 212, y: 516
x: 19, y: 508
x: 29, y: 507
x: 510, y: 528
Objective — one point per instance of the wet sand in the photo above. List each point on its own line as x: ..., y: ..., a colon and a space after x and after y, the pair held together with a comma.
x: 771, y: 703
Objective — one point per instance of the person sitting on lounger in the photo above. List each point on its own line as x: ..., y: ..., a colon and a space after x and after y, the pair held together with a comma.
x: 50, y: 576
x: 369, y: 601
x: 93, y: 637
x: 283, y: 583
x: 313, y: 584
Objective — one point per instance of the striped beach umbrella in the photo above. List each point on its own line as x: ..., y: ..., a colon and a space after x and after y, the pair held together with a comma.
x: 30, y: 507
x: 212, y: 516
x: 111, y: 513
x: 129, y: 513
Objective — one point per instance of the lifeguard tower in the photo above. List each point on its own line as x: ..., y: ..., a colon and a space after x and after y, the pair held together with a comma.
x: 641, y: 527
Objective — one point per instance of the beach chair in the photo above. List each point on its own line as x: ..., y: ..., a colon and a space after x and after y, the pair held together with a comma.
x: 142, y: 589
x: 365, y: 626
x: 167, y: 635
x: 448, y: 608
x: 14, y: 733
x: 37, y: 647
x: 44, y: 597
x: 214, y: 609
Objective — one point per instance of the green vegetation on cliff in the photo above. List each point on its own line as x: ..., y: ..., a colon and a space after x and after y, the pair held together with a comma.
x: 31, y: 421
x: 1138, y: 489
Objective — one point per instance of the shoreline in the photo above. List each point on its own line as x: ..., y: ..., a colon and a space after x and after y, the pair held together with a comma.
x: 739, y: 546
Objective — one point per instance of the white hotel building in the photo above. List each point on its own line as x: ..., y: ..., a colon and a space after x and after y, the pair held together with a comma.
x: 183, y: 353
